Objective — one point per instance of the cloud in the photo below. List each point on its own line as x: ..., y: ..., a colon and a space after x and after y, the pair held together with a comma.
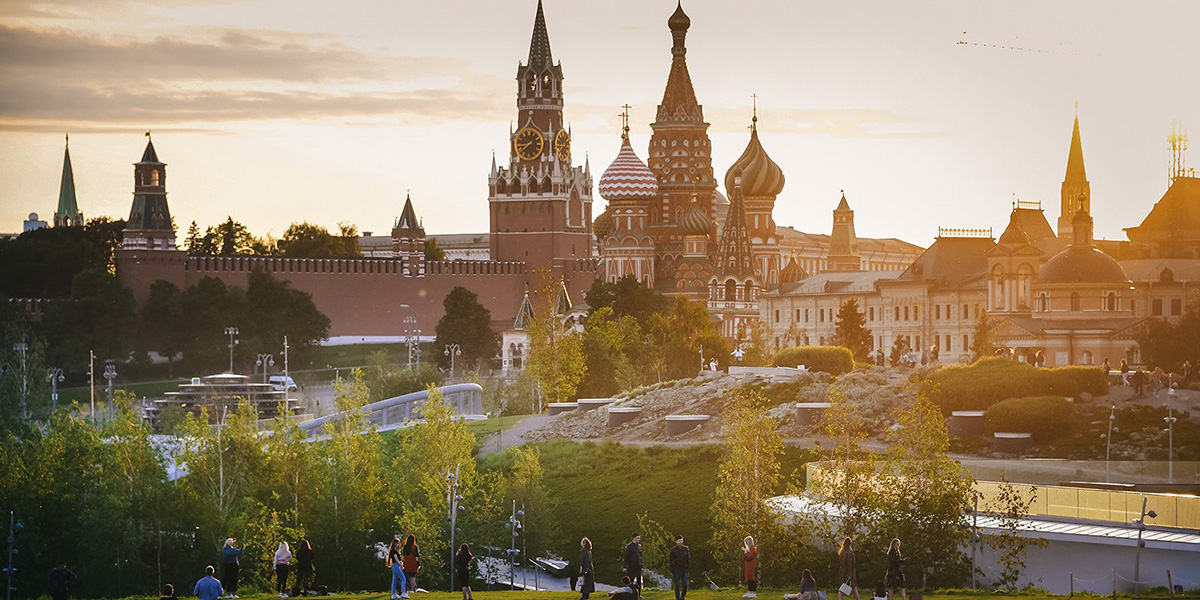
x: 214, y: 75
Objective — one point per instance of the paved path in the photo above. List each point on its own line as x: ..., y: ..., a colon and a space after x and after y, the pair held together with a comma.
x: 513, y: 436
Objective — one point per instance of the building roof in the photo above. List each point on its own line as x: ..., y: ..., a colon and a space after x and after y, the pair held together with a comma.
x: 1175, y: 217
x: 1075, y: 170
x: 1082, y: 264
x: 1162, y: 269
x: 68, y: 205
x: 694, y: 221
x: 408, y: 217
x: 539, y: 44
x: 679, y: 98
x: 1021, y: 327
x: 628, y: 178
x: 789, y: 236
x: 851, y: 282
x: 602, y: 225
x: 792, y: 273
x: 951, y: 262
x: 149, y: 156
x: 734, y: 255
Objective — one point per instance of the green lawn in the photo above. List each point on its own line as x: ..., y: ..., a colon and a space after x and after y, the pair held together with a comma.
x: 706, y: 594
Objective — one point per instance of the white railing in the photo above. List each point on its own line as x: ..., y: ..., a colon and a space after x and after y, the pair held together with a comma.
x: 465, y: 398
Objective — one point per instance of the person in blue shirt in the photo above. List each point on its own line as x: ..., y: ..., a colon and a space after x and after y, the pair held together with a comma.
x: 209, y: 587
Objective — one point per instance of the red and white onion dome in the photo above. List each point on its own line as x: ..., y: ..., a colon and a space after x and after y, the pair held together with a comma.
x: 761, y: 177
x: 628, y: 179
x: 694, y: 221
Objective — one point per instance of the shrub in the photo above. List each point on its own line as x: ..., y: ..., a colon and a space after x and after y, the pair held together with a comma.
x: 988, y: 381
x: 827, y: 359
x: 1046, y: 417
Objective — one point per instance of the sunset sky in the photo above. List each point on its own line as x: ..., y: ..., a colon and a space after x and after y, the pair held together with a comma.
x: 275, y: 111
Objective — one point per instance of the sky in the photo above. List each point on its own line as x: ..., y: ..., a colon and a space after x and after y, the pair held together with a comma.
x: 926, y: 113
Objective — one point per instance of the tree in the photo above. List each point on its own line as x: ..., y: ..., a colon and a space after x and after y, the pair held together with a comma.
x: 274, y: 310
x: 849, y: 479
x: 99, y: 317
x: 679, y: 335
x: 1168, y: 346
x: 628, y: 297
x: 43, y: 263
x: 223, y: 463
x: 899, y: 346
x: 556, y: 357
x: 160, y: 319
x: 314, y: 241
x: 1011, y: 507
x: 433, y: 251
x: 748, y: 474
x: 927, y: 494
x: 524, y: 486
x: 387, y: 380
x: 982, y: 344
x: 211, y: 307
x: 467, y: 323
x: 613, y: 350
x: 194, y: 243
x: 851, y: 330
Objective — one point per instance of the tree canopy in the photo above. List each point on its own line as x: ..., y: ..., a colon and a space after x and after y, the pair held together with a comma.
x: 468, y: 323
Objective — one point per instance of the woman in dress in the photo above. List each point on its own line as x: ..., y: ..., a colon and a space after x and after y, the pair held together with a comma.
x: 847, y: 569
x: 587, y: 572
x: 750, y: 567
x: 894, y: 579
x: 462, y: 570
x: 304, y: 568
x: 283, y: 562
x: 394, y: 563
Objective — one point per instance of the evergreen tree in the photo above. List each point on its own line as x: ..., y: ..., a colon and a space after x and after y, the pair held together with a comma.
x: 851, y: 330
x: 982, y: 344
x: 467, y: 323
x: 433, y: 251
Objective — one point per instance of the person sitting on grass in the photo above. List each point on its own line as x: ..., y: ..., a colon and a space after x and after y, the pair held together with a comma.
x: 808, y: 588
x: 625, y: 592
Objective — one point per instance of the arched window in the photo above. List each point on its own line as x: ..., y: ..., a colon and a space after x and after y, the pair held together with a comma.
x: 1074, y: 301
x: 749, y: 297
x: 1043, y: 302
x: 154, y: 177
x: 1086, y: 357
x: 500, y: 187
x: 1110, y: 301
x: 730, y: 290
x: 997, y: 287
x: 1024, y: 279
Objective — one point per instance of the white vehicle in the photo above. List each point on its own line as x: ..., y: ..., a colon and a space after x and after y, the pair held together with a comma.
x: 281, y: 383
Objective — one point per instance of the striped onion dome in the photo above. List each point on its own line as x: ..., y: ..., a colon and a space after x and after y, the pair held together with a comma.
x: 628, y: 178
x: 602, y: 225
x: 694, y: 221
x: 761, y: 177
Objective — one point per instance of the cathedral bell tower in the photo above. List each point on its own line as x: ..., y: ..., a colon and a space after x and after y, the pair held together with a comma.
x: 1076, y: 190
x: 540, y: 205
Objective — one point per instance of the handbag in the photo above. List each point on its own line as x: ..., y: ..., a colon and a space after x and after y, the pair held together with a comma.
x: 845, y: 589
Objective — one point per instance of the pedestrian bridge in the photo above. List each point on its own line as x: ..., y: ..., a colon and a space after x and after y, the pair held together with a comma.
x: 393, y: 413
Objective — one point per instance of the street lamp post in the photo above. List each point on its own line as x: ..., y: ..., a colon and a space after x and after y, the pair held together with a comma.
x: 1170, y: 421
x: 453, y: 500
x: 13, y: 527
x: 110, y: 373
x: 23, y: 349
x: 1137, y: 558
x: 285, y: 360
x: 264, y: 361
x: 412, y: 339
x: 516, y: 525
x: 453, y: 350
x: 55, y: 377
x: 1107, y: 437
x: 233, y: 341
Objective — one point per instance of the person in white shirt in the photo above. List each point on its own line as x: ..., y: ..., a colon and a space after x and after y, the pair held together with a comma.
x: 283, y: 561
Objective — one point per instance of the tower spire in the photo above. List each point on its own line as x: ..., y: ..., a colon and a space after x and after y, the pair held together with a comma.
x: 539, y: 45
x: 1076, y: 191
x: 67, y: 214
x: 679, y: 99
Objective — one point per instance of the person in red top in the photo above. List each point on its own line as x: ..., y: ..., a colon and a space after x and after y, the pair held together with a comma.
x: 750, y: 567
x: 411, y: 561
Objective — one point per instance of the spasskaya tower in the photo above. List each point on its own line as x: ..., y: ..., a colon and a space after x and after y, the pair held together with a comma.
x: 540, y: 204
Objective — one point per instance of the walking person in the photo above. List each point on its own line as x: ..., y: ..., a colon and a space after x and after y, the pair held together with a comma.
x: 229, y: 567
x: 60, y: 581
x: 894, y: 578
x: 1107, y: 368
x: 283, y: 563
x: 587, y: 571
x: 750, y: 567
x: 1124, y: 372
x: 462, y: 570
x: 1139, y: 383
x: 411, y: 561
x: 1156, y: 379
x: 633, y: 562
x: 395, y: 562
x: 208, y: 588
x: 1186, y: 371
x: 847, y: 569
x: 304, y: 568
x: 680, y: 561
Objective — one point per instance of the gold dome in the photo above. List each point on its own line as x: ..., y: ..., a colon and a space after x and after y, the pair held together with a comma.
x: 603, y: 225
x: 694, y: 221
x: 679, y: 20
x: 761, y: 177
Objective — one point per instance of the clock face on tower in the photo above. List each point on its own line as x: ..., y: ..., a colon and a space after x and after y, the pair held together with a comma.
x: 528, y: 143
x: 562, y: 145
